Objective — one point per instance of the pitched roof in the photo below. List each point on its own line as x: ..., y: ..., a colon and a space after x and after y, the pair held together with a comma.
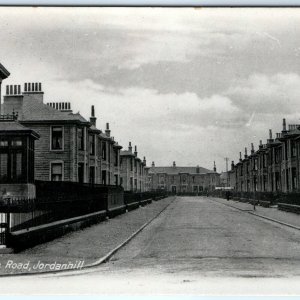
x: 7, y: 127
x: 177, y: 170
x: 3, y: 72
x: 36, y: 111
x: 126, y: 153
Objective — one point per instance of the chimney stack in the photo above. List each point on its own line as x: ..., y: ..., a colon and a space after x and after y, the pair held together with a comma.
x: 135, y: 151
x: 107, y: 131
x: 33, y: 91
x: 174, y: 164
x: 130, y: 147
x: 153, y: 164
x: 197, y: 169
x: 13, y: 100
x: 93, y: 119
x: 270, y: 140
x: 232, y: 165
x: 252, y: 148
x: 215, y: 168
x: 240, y: 156
x: 144, y: 161
x: 260, y: 144
x: 246, y: 155
x: 284, y: 126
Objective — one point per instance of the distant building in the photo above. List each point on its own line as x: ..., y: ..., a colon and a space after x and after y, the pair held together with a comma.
x: 274, y: 167
x: 133, y: 171
x: 177, y: 179
x: 70, y: 147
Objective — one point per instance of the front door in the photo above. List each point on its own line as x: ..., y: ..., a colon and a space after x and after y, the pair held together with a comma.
x: 174, y: 189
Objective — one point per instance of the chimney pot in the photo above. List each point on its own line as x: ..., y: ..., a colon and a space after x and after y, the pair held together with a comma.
x: 93, y: 111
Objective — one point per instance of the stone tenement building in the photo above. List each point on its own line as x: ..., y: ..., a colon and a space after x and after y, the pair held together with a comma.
x: 274, y: 167
x: 70, y: 148
x: 134, y: 173
x: 176, y: 179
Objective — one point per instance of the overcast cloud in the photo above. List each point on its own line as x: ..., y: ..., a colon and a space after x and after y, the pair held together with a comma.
x: 190, y: 85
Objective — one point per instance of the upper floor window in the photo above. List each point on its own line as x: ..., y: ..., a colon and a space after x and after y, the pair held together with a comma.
x: 293, y: 149
x: 80, y: 138
x: 103, y: 150
x: 92, y: 144
x: 56, y: 138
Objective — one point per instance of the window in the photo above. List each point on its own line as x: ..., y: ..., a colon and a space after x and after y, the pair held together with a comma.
x: 92, y: 144
x: 16, y: 142
x: 116, y: 157
x: 16, y: 167
x: 293, y: 149
x: 103, y: 150
x: 131, y: 183
x: 131, y: 164
x: 81, y: 138
x: 3, y: 167
x: 80, y: 172
x: 57, y: 138
x: 56, y: 171
x: 103, y: 177
x: 92, y: 175
x: 116, y: 180
x: 3, y: 143
x: 294, y: 178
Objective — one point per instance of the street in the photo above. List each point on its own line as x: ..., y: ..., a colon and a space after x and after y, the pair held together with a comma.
x: 197, y: 245
x: 198, y: 235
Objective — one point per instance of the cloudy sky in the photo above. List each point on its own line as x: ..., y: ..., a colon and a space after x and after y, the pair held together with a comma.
x: 186, y: 85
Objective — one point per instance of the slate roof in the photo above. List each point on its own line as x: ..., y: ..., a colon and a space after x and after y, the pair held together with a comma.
x: 126, y: 153
x: 7, y: 127
x: 36, y: 111
x: 176, y: 170
x: 3, y: 72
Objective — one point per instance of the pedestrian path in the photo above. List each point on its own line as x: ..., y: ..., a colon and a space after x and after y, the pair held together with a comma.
x: 83, y: 247
x: 272, y: 212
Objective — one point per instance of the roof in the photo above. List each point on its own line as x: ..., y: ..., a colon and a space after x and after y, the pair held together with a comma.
x: 93, y: 128
x: 3, y: 72
x: 10, y: 127
x: 34, y: 110
x: 126, y: 153
x: 176, y: 170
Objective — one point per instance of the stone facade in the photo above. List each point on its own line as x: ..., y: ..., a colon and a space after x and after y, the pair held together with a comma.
x: 70, y: 148
x: 176, y: 179
x: 274, y: 167
x: 133, y: 171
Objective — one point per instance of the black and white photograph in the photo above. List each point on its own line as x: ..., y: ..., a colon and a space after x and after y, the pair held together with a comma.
x: 150, y: 150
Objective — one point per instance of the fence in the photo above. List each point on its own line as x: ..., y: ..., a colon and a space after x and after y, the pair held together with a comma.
x: 63, y: 202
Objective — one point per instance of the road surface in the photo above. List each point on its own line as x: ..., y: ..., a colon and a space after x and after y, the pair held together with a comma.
x: 197, y: 246
x: 197, y: 235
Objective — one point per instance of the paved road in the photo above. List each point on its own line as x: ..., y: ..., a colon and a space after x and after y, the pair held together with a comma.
x: 197, y: 235
x: 197, y: 246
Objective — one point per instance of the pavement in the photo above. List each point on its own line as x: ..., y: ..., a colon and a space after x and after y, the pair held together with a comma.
x: 83, y: 247
x: 196, y: 246
x: 273, y: 213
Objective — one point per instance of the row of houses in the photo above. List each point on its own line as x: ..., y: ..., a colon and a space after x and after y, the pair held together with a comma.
x: 273, y: 167
x: 177, y: 179
x: 68, y: 147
